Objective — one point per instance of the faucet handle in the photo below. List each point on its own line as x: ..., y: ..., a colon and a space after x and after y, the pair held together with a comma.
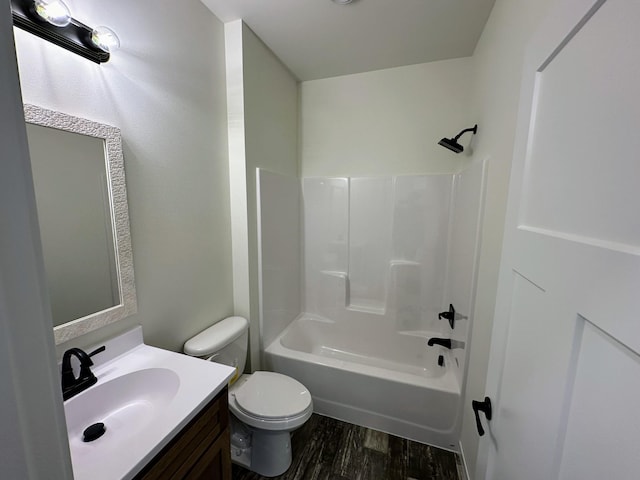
x: 450, y: 315
x: 86, y: 363
x: 97, y: 350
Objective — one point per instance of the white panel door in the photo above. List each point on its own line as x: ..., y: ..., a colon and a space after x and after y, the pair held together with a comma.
x: 564, y: 373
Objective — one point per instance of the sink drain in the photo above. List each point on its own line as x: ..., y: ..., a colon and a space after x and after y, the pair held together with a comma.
x: 93, y: 432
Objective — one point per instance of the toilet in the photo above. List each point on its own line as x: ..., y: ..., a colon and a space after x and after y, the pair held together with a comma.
x: 266, y: 406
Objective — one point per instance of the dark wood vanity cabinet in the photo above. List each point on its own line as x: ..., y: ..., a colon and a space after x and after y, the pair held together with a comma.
x: 201, y: 451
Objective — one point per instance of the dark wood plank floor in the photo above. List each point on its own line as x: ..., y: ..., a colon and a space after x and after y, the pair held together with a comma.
x: 328, y: 449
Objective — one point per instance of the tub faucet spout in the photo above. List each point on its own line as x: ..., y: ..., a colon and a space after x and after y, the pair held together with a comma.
x: 444, y: 342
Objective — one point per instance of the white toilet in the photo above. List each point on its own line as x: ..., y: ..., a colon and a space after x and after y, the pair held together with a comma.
x: 265, y: 406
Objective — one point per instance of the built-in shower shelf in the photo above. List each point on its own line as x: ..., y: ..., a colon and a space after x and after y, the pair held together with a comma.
x: 408, y: 263
x: 366, y: 305
x: 335, y: 273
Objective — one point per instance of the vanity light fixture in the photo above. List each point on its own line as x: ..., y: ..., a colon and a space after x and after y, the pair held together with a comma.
x: 51, y: 20
x: 55, y: 12
x: 105, y: 39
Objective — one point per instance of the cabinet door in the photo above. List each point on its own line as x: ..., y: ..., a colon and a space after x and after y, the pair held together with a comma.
x: 215, y: 464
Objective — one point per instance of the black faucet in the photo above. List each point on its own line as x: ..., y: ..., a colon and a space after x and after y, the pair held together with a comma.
x: 445, y: 342
x: 71, y: 385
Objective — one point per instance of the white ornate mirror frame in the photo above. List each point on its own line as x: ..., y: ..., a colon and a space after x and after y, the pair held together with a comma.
x: 119, y: 217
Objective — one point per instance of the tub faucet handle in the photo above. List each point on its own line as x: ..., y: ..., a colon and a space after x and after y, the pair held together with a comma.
x: 450, y: 315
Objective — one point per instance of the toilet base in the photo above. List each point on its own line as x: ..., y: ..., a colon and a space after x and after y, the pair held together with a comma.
x: 241, y: 457
x: 271, y: 452
x: 267, y: 453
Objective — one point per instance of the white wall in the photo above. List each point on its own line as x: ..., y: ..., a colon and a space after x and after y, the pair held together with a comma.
x: 263, y: 132
x: 168, y: 98
x: 238, y: 174
x: 386, y: 122
x: 497, y: 68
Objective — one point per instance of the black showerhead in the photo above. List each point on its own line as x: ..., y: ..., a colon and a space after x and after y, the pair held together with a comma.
x: 452, y: 143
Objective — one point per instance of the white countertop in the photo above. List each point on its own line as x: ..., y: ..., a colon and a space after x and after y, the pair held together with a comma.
x: 138, y: 428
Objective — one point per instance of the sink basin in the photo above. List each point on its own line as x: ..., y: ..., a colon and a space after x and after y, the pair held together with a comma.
x: 144, y: 396
x: 125, y: 405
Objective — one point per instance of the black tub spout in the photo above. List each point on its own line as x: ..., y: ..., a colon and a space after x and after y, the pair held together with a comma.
x: 444, y: 342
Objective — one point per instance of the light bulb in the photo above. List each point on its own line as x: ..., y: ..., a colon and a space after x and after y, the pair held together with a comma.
x: 105, y: 39
x: 55, y: 12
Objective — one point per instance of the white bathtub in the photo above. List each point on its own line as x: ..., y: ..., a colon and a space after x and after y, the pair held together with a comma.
x: 385, y: 380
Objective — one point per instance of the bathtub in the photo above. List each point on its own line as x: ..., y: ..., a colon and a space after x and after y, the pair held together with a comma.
x: 362, y: 374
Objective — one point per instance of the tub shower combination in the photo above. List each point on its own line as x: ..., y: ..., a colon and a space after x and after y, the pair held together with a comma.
x: 382, y: 260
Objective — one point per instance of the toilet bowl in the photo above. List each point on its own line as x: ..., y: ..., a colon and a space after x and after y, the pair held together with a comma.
x: 265, y: 406
x: 271, y: 405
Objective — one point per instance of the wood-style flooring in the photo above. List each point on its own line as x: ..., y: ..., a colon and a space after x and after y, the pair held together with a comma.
x: 328, y: 449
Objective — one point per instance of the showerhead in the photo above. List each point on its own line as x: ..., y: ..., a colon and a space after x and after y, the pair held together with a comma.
x: 452, y: 143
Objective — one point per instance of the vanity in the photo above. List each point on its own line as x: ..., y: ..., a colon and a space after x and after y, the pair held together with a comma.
x: 200, y: 450
x: 165, y: 416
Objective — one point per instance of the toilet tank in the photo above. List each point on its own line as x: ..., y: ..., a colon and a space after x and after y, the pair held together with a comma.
x: 224, y: 342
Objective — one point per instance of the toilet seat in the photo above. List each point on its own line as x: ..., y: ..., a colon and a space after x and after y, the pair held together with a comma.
x: 272, y: 396
x: 270, y: 401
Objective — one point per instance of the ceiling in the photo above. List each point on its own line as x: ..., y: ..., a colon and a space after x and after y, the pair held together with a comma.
x: 319, y: 39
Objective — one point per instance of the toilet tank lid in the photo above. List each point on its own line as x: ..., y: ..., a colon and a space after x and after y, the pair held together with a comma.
x: 216, y: 337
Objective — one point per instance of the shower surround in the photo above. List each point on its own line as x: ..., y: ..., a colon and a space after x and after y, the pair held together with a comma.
x: 381, y: 258
x: 377, y: 246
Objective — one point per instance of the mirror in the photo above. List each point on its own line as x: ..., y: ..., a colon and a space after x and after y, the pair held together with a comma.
x: 78, y: 176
